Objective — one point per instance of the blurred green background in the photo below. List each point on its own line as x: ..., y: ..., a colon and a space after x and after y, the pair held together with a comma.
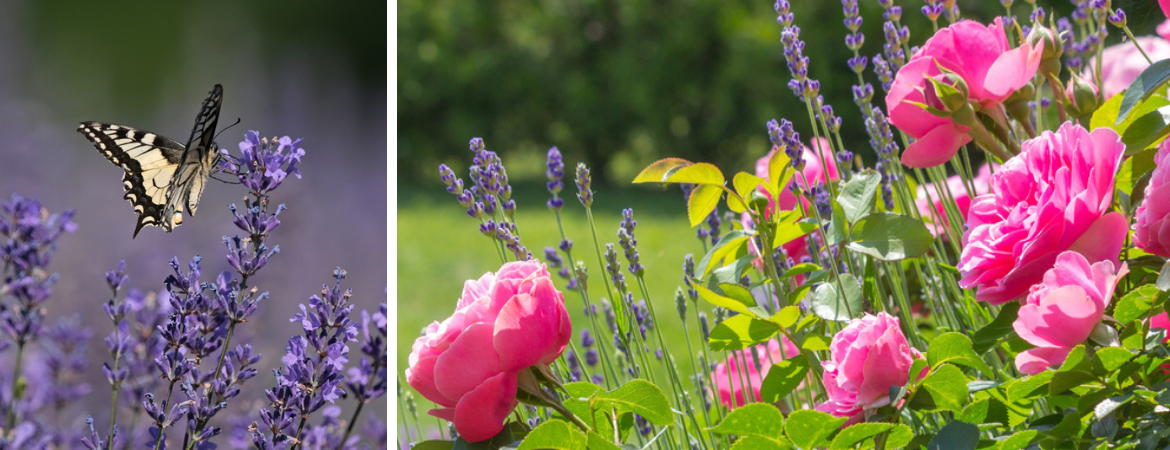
x: 618, y: 85
x: 301, y: 69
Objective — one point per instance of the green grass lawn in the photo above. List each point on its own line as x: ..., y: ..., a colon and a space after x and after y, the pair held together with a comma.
x: 439, y: 247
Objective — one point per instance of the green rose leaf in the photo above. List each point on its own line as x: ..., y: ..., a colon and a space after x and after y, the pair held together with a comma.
x: 956, y: 435
x: 757, y: 443
x: 808, y: 429
x: 1135, y: 304
x: 745, y: 183
x: 740, y: 332
x: 1146, y: 131
x: 838, y: 300
x: 734, y: 304
x: 991, y: 333
x: 1018, y: 441
x: 596, y: 442
x: 783, y: 377
x: 728, y: 245
x: 754, y: 419
x: 787, y: 316
x: 660, y: 170
x: 434, y: 445
x: 703, y: 200
x: 1113, y: 357
x: 955, y: 348
x: 1030, y: 387
x: 640, y: 397
x: 857, y: 195
x: 555, y: 434
x: 790, y: 227
x: 945, y: 389
x: 1147, y: 83
x: 890, y: 237
x: 858, y: 432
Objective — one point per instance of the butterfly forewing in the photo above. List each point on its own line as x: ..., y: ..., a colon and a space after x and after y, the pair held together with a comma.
x: 149, y: 161
x: 198, y: 159
x: 161, y: 175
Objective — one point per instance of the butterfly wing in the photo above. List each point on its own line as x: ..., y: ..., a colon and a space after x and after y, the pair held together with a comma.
x: 149, y: 161
x: 197, y: 160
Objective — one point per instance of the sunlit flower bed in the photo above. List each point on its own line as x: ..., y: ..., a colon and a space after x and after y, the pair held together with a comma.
x: 998, y: 278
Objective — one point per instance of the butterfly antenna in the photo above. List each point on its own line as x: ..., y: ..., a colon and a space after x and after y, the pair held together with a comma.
x: 225, y: 129
x: 213, y: 176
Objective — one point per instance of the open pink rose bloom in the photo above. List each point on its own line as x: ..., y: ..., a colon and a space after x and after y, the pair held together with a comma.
x: 1061, y: 312
x: 991, y: 70
x: 469, y: 363
x: 728, y: 379
x: 867, y: 357
x: 1151, y: 229
x: 1054, y: 196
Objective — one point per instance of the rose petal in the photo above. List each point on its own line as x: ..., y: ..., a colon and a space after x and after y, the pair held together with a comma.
x: 482, y: 412
x: 1034, y: 361
x: 470, y: 360
x: 1104, y: 239
x: 528, y: 330
x: 936, y: 147
x: 1013, y: 69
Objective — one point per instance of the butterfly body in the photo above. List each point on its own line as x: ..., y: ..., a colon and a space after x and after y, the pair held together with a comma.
x: 163, y: 178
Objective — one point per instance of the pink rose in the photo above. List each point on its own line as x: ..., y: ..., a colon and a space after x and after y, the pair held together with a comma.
x: 867, y: 358
x: 1165, y: 4
x: 980, y: 56
x: 934, y: 201
x: 814, y: 172
x: 1052, y: 197
x: 1151, y: 232
x: 1122, y: 63
x: 728, y: 379
x: 469, y: 363
x: 1061, y: 312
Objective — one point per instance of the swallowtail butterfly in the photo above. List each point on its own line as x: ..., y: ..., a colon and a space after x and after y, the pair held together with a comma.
x: 162, y: 176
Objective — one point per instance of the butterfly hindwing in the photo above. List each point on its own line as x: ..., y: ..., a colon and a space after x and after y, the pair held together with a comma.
x: 149, y: 161
x: 162, y: 176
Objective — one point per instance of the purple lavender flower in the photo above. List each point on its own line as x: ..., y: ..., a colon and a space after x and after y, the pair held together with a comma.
x: 556, y: 172
x: 584, y: 194
x: 95, y: 442
x: 629, y: 243
x: 264, y: 163
x: 313, y: 365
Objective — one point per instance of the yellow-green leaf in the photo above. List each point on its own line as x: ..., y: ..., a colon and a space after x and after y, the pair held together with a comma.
x: 660, y: 170
x: 745, y: 183
x: 703, y: 200
x: 701, y: 173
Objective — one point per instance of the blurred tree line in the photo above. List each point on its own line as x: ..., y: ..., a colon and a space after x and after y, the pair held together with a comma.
x: 620, y: 83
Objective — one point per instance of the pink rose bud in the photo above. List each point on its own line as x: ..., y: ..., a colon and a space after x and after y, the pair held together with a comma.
x: 1165, y: 4
x: 978, y: 54
x: 1063, y: 311
x: 469, y: 363
x: 728, y: 379
x: 1151, y: 230
x: 1052, y: 197
x: 1082, y: 95
x: 867, y: 358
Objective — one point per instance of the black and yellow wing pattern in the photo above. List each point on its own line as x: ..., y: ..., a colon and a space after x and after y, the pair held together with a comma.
x: 162, y: 176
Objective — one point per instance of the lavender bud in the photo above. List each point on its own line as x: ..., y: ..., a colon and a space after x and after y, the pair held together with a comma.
x: 583, y: 181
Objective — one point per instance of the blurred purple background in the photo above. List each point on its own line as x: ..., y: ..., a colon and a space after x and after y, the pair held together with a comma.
x: 312, y: 73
